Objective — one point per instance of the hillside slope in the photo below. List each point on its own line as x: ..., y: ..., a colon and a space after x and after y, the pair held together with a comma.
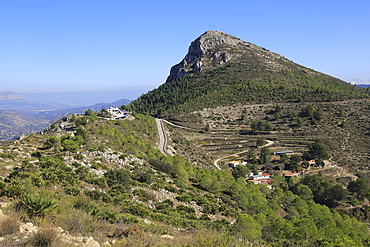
x: 220, y: 69
x: 104, y: 179
x: 19, y: 116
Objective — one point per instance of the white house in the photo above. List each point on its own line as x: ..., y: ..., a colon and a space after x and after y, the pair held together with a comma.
x: 232, y: 164
x: 117, y: 113
x: 260, y: 178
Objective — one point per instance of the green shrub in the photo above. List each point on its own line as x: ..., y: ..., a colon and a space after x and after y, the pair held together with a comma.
x: 37, y: 206
x: 158, y: 185
x: 83, y: 203
x: 70, y: 145
x: 11, y: 155
x: 165, y: 205
x: 184, y: 198
x: 205, y: 217
x: 73, y: 191
x: 186, y: 211
x: 14, y: 189
x: 143, y: 176
x: 162, y: 166
x: 79, y: 156
x: 171, y: 189
x: 102, y: 181
x: 94, y: 194
x: 110, y: 215
x: 118, y: 177
x: 128, y: 218
x: 135, y: 208
x: 142, y: 194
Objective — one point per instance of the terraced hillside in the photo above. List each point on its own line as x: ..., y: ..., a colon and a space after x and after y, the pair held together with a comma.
x: 343, y: 127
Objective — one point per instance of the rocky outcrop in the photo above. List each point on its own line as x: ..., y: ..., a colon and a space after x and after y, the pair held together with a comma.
x: 196, y: 59
x: 214, y: 49
x: 62, y: 124
x: 28, y: 230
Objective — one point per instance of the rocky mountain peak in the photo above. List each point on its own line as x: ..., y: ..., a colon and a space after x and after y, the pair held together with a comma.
x: 214, y: 49
x: 9, y: 95
x: 196, y: 59
x: 208, y: 41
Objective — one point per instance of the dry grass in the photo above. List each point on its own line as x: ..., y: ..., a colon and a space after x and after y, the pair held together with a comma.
x: 45, y: 237
x: 132, y: 230
x: 9, y: 225
x: 77, y: 221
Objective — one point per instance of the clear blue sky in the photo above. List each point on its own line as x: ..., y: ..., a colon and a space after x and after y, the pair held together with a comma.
x: 89, y: 45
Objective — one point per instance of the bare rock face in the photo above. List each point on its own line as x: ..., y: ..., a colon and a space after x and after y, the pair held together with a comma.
x: 202, y: 53
x: 214, y: 49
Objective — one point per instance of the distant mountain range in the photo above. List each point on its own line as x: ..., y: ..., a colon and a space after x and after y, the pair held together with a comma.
x: 19, y: 116
x: 363, y: 85
x: 358, y: 82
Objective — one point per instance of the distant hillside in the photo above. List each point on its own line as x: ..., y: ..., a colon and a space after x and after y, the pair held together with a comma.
x: 18, y: 116
x: 363, y: 85
x: 9, y: 118
x: 9, y: 95
x: 11, y: 101
x: 220, y: 69
x: 15, y: 124
x: 100, y: 106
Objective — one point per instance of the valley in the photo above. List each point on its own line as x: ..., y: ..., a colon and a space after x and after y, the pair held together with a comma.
x: 18, y: 116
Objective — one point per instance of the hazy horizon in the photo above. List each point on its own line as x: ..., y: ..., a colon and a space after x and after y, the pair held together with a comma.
x: 66, y: 46
x: 83, y: 98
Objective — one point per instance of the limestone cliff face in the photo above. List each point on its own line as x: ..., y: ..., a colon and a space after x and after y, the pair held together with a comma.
x: 214, y: 49
x: 197, y: 57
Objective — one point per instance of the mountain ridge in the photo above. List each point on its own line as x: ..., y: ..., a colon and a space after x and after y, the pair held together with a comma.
x: 220, y: 69
x: 11, y: 96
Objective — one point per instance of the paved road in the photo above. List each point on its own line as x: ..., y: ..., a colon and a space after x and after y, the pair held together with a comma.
x: 162, y: 136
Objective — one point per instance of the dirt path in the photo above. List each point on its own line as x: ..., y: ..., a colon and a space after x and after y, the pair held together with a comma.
x: 178, y: 126
x: 343, y: 173
x: 215, y: 163
x: 269, y: 143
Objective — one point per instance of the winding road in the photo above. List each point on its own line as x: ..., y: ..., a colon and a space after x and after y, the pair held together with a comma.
x: 215, y: 163
x: 163, y: 141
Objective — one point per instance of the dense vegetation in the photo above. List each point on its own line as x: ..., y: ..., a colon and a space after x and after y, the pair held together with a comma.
x: 106, y: 178
x: 239, y: 83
